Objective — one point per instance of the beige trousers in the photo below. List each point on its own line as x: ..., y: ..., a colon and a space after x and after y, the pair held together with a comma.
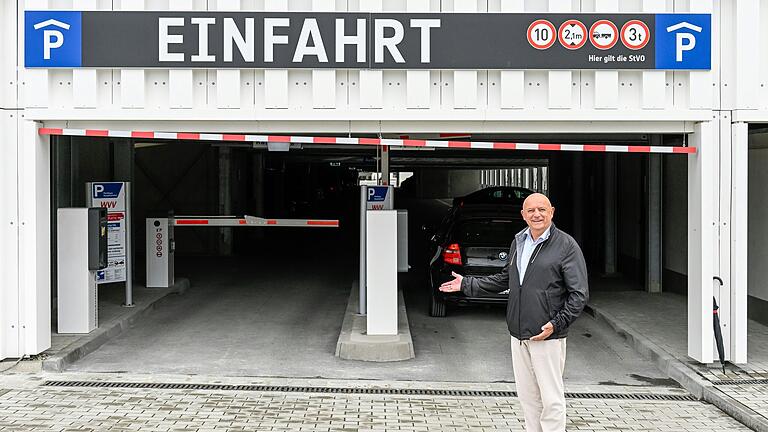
x: 538, y: 368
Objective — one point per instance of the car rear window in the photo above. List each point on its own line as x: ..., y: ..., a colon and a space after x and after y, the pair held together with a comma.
x: 491, y: 232
x: 498, y: 196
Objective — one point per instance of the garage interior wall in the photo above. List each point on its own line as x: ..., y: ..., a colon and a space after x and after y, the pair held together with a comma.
x: 674, y: 225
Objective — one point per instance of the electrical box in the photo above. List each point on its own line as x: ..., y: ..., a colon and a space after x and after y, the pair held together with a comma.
x: 81, y: 252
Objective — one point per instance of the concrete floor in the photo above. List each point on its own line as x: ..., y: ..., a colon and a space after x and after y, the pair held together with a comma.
x: 272, y: 316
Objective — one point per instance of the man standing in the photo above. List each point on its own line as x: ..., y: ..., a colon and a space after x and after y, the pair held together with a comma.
x: 547, y: 281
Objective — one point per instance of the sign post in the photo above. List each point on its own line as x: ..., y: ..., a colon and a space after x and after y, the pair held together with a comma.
x: 116, y: 198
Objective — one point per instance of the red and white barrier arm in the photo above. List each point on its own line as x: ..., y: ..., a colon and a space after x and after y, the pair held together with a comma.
x: 251, y: 221
x: 480, y: 145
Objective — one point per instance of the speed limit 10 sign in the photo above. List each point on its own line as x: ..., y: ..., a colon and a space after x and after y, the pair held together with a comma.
x: 542, y: 34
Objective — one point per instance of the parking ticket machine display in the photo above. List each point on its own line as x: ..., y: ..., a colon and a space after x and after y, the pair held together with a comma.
x: 97, y: 238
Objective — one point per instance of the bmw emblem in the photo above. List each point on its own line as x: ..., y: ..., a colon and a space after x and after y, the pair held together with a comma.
x: 503, y: 256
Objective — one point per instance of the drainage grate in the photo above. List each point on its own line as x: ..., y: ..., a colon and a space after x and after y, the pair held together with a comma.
x: 351, y: 390
x: 741, y: 381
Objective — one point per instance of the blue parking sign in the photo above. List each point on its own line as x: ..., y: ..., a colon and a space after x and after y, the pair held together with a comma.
x: 52, y: 39
x: 683, y: 41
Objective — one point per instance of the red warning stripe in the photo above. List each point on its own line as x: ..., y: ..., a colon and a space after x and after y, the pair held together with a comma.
x: 414, y: 143
x: 639, y: 149
x: 594, y: 147
x: 230, y: 137
x: 323, y: 222
x: 552, y: 147
x: 504, y: 146
x: 279, y: 138
x: 191, y: 221
x: 140, y: 134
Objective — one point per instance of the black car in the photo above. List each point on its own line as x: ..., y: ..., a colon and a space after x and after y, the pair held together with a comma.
x: 494, y: 196
x: 505, y: 201
x: 473, y: 243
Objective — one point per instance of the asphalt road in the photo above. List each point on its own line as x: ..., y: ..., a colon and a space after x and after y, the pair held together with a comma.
x: 277, y: 314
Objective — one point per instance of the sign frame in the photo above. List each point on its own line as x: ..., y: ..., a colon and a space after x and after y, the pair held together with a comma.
x: 366, y: 40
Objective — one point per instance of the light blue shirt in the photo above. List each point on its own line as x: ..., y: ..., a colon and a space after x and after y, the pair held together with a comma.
x: 528, y: 247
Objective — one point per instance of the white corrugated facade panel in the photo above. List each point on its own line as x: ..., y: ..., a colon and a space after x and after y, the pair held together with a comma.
x: 409, y: 95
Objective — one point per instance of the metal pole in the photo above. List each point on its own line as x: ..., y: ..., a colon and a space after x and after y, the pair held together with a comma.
x: 362, y: 282
x: 128, y: 248
x: 609, y: 223
x: 385, y: 165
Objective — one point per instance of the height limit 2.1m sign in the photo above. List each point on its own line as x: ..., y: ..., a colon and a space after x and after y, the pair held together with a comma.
x: 298, y: 40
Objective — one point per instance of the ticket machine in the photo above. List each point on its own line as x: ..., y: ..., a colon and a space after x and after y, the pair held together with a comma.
x: 81, y: 252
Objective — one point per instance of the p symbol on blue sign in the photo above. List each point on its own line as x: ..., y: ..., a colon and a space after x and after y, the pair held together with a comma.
x: 98, y: 190
x: 684, y: 41
x: 371, y: 193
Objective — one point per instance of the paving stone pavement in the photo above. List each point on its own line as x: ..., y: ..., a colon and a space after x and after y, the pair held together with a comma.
x: 26, y: 406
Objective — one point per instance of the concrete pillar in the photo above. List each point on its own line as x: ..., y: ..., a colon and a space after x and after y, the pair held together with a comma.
x: 609, y: 215
x: 653, y: 251
x: 257, y: 187
x: 122, y: 163
x: 578, y: 196
x: 225, y: 198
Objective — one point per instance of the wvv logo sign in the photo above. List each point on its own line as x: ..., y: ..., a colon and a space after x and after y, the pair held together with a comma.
x: 683, y: 41
x: 52, y: 39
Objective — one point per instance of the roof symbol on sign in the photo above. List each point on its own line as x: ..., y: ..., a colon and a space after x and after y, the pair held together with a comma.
x: 51, y: 22
x: 682, y: 25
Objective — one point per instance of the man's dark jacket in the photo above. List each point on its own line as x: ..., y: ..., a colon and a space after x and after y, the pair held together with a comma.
x: 554, y: 287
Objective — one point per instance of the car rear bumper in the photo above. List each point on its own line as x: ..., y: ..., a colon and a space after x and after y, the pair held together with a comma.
x: 460, y: 298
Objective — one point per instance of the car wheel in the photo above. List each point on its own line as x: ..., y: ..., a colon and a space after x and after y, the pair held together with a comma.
x: 436, y: 306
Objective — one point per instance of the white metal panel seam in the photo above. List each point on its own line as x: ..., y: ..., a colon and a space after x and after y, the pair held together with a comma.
x: 9, y: 238
x: 723, y: 212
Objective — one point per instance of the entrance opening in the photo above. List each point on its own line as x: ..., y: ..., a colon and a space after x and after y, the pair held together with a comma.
x: 270, y: 301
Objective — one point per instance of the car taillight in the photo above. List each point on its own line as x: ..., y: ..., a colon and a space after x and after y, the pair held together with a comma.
x: 452, y: 255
